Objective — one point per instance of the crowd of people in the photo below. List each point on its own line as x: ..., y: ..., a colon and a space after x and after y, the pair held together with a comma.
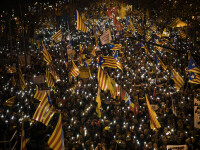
x: 118, y: 127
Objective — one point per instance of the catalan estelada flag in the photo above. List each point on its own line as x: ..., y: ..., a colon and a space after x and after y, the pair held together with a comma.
x: 57, y: 37
x: 45, y: 110
x: 46, y: 55
x: 21, y: 80
x: 178, y: 80
x: 10, y: 69
x: 145, y: 48
x: 49, y: 79
x: 194, y: 78
x: 38, y: 94
x: 107, y: 61
x: 119, y: 65
x: 102, y: 79
x: 80, y: 25
x: 154, y: 124
x: 114, y: 46
x: 159, y: 61
x: 9, y: 102
x: 23, y: 138
x: 192, y: 66
x: 74, y: 70
x: 56, y: 140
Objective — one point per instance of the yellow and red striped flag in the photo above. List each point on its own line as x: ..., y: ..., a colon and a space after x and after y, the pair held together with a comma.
x: 145, y: 48
x: 194, y: 78
x: 45, y: 110
x: 23, y: 140
x: 159, y: 61
x: 55, y: 75
x: 10, y: 102
x: 10, y: 69
x: 57, y: 37
x: 107, y: 61
x: 80, y: 25
x: 158, y: 47
x: 102, y: 79
x: 154, y: 124
x: 56, y: 140
x: 119, y: 65
x: 21, y: 80
x: 49, y: 79
x: 74, y: 70
x: 46, y: 55
x: 178, y: 80
x: 38, y: 94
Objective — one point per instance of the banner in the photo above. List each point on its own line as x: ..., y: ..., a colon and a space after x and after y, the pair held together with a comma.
x: 38, y: 79
x: 177, y: 147
x: 106, y: 37
x: 84, y: 72
x: 196, y: 113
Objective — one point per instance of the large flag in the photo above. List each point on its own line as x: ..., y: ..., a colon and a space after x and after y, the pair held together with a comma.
x: 178, y: 80
x: 56, y: 140
x: 193, y: 66
x: 38, y: 94
x: 98, y: 100
x: 119, y: 65
x: 46, y: 55
x: 159, y: 61
x: 154, y: 124
x: 49, y: 79
x: 10, y: 102
x: 102, y: 79
x: 23, y: 139
x: 107, y: 61
x: 21, y: 80
x: 74, y: 70
x: 114, y: 46
x: 57, y: 37
x: 45, y: 110
x: 145, y: 48
x: 80, y: 24
x: 10, y: 69
x: 194, y: 78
